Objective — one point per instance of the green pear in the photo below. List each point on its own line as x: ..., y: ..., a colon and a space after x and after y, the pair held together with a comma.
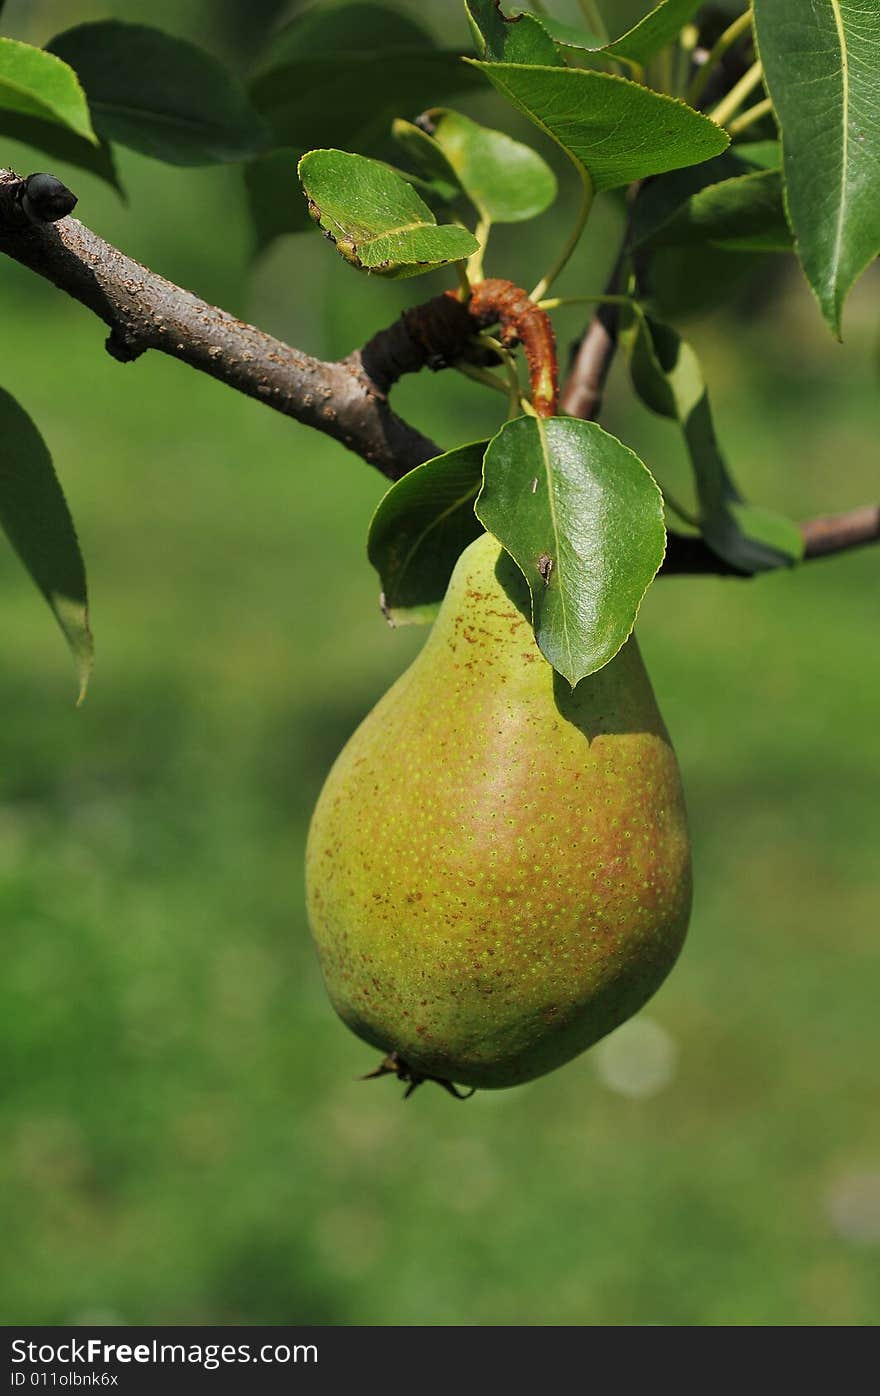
x: 498, y: 867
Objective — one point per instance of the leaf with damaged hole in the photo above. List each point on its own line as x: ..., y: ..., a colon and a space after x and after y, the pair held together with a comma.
x: 506, y: 181
x: 37, y: 522
x: 376, y: 219
x: 509, y: 39
x: 582, y: 517
x: 667, y: 377
x: 36, y: 83
x: 419, y: 530
x: 615, y: 130
x: 820, y: 68
x: 160, y: 95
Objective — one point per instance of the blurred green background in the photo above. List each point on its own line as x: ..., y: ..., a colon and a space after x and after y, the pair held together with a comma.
x: 183, y: 1136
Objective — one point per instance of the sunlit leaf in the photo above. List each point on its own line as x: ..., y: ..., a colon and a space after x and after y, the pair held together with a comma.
x: 38, y: 84
x: 376, y: 219
x: 504, y: 179
x: 616, y: 130
x: 583, y: 519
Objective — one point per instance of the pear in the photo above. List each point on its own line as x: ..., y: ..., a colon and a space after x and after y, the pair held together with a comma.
x: 498, y: 866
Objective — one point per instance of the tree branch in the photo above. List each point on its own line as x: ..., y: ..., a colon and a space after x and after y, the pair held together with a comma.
x: 347, y: 400
x: 823, y: 537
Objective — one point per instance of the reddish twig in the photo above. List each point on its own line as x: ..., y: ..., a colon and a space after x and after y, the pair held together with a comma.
x: 523, y: 322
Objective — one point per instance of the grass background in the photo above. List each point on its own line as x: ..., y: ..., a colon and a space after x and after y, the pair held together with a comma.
x: 183, y: 1138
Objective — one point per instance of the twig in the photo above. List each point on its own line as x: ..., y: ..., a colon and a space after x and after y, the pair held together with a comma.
x: 347, y: 400
x: 731, y: 35
x: 732, y: 101
x: 749, y: 117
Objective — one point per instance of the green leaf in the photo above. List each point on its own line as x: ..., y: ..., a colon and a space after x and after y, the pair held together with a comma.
x: 583, y: 519
x: 505, y: 181
x: 745, y: 214
x: 318, y: 87
x: 338, y: 76
x: 37, y: 522
x: 499, y: 39
x: 376, y: 219
x: 666, y: 198
x: 667, y: 377
x: 640, y: 43
x: 275, y: 199
x: 419, y: 530
x: 320, y: 31
x: 350, y: 99
x: 61, y: 144
x: 820, y: 67
x: 616, y: 130
x: 36, y: 83
x: 161, y: 95
x: 653, y: 33
x: 428, y: 158
x: 735, y: 202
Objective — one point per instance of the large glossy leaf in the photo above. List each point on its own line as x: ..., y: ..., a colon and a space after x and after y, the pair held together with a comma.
x: 821, y: 61
x: 509, y: 39
x: 376, y: 219
x: 39, y: 84
x: 37, y: 522
x: 59, y: 143
x: 616, y: 130
x: 583, y: 519
x: 160, y: 95
x: 667, y: 376
x: 419, y: 530
x: 505, y: 180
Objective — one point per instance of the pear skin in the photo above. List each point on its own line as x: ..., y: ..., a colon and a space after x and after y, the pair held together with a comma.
x: 498, y: 867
